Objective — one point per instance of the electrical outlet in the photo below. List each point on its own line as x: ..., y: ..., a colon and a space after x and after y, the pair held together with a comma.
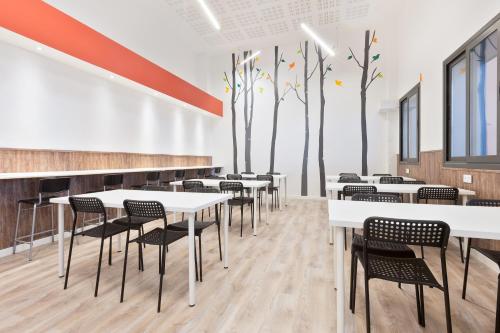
x: 407, y: 171
x: 468, y: 179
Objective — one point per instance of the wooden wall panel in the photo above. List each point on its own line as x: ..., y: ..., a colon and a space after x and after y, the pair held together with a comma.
x: 486, y: 183
x: 20, y: 160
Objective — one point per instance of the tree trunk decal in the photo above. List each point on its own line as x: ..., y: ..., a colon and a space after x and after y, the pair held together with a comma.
x: 231, y: 85
x: 322, y: 74
x: 305, y: 100
x: 277, y: 100
x: 365, y: 84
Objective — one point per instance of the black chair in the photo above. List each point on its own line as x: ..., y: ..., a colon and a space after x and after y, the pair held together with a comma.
x: 180, y: 175
x: 161, y: 237
x: 273, y: 173
x: 237, y: 189
x: 350, y: 190
x: 391, y: 180
x: 217, y: 171
x: 440, y: 194
x: 48, y: 188
x: 348, y: 174
x: 170, y: 177
x: 382, y: 175
x: 414, y: 182
x: 271, y: 189
x: 350, y: 179
x: 248, y: 173
x: 404, y: 270
x: 379, y: 248
x: 233, y: 176
x: 199, y: 226
x: 490, y: 254
x: 152, y: 178
x: 102, y: 231
x: 200, y: 173
x: 110, y: 182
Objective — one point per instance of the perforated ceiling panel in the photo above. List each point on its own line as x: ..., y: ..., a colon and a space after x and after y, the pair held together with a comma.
x: 244, y: 21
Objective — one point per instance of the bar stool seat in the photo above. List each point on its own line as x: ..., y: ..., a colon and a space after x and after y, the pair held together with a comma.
x: 36, y: 201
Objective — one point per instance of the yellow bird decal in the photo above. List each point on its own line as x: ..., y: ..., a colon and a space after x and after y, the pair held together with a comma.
x: 339, y: 83
x: 227, y: 89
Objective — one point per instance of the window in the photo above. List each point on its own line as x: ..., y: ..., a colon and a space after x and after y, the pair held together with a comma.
x: 409, y: 113
x: 472, y: 101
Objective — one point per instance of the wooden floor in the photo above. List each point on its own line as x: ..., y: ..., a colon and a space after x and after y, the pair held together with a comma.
x: 280, y: 281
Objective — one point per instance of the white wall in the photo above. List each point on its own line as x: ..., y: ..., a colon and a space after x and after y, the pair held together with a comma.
x: 428, y: 32
x: 342, y: 115
x: 46, y: 104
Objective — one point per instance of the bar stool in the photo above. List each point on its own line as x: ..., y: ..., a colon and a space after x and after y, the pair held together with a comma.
x: 180, y: 174
x: 152, y: 178
x: 200, y: 173
x: 47, y: 188
x: 110, y: 182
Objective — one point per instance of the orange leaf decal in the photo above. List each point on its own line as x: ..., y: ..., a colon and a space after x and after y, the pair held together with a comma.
x: 291, y: 66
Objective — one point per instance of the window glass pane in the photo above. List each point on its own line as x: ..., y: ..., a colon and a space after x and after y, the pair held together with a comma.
x: 483, y: 103
x: 404, y: 129
x: 412, y: 126
x: 457, y: 100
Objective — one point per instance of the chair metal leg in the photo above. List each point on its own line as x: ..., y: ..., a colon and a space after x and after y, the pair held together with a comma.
x: 162, y: 274
x: 201, y: 262
x: 32, y: 233
x: 419, y: 309
x: 422, y: 307
x: 345, y: 239
x: 52, y: 221
x: 241, y: 222
x: 367, y: 303
x: 354, y: 284
x: 460, y: 241
x: 69, y: 259
x: 447, y: 307
x: 159, y: 260
x: 196, y: 260
x: 110, y: 250
x: 99, y: 268
x: 497, y: 320
x: 351, y: 281
x: 466, y: 270
x: 220, y: 246
x: 17, y: 228
x: 422, y: 251
x: 142, y: 228
x: 125, y: 266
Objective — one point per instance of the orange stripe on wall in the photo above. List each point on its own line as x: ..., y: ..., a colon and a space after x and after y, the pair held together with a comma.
x: 47, y: 25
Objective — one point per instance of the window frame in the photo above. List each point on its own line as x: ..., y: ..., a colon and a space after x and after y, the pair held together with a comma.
x: 463, y: 52
x: 413, y: 91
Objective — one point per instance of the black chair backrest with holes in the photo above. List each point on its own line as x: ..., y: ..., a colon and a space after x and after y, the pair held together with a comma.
x: 54, y: 185
x: 180, y: 174
x: 149, y: 209
x: 414, y: 182
x: 190, y: 185
x: 87, y: 205
x: 348, y: 174
x: 438, y: 193
x: 268, y: 178
x: 232, y: 176
x: 382, y: 175
x: 350, y: 190
x: 112, y: 181
x: 391, y: 180
x: 376, y: 197
x: 232, y: 187
x: 347, y: 178
x: 273, y: 173
x: 484, y: 202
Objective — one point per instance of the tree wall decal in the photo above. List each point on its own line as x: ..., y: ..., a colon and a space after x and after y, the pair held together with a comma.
x: 365, y: 84
x: 235, y: 94
x: 323, y: 71
x: 278, y: 60
x: 305, y: 100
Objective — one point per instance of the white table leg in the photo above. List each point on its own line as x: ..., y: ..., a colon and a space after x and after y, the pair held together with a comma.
x: 465, y: 198
x: 330, y: 228
x: 60, y: 238
x: 226, y: 234
x: 174, y: 215
x: 411, y: 197
x: 254, y: 194
x: 191, y: 278
x: 339, y: 249
x: 286, y: 191
x: 267, y: 205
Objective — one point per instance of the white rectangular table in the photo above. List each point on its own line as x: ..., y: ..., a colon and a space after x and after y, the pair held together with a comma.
x: 181, y: 202
x: 370, y: 179
x: 464, y: 221
x: 282, y: 182
x: 254, y: 185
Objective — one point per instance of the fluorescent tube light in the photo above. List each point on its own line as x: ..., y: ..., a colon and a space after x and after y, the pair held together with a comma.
x: 250, y: 57
x: 317, y: 39
x: 209, y: 13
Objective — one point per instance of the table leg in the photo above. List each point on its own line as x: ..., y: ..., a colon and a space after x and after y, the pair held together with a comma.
x: 267, y: 205
x: 174, y: 215
x: 286, y: 191
x: 191, y: 277
x: 280, y: 192
x: 119, y: 236
x: 226, y: 234
x: 339, y: 250
x: 330, y: 228
x: 465, y: 198
x: 60, y: 238
x: 411, y: 197
x: 254, y: 194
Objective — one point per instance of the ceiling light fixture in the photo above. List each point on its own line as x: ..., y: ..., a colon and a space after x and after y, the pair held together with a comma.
x: 250, y: 58
x: 317, y: 39
x: 209, y: 13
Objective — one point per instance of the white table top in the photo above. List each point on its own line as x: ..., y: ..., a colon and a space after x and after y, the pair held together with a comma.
x: 464, y: 221
x: 371, y: 179
x: 215, y: 182
x: 45, y: 174
x: 393, y: 188
x: 185, y: 202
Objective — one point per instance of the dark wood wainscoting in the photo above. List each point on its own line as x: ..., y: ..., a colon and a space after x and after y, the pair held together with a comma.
x: 21, y: 160
x: 486, y: 183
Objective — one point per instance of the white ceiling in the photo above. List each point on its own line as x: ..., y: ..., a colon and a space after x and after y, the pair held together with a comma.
x: 246, y: 22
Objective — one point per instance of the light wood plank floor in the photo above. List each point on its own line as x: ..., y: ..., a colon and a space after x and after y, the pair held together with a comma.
x: 280, y: 281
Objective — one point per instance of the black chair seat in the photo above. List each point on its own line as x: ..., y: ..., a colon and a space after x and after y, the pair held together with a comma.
x: 136, y: 222
x: 239, y: 201
x: 183, y: 226
x: 388, y: 249
x: 156, y: 237
x: 490, y: 254
x: 36, y: 201
x: 403, y: 270
x: 111, y: 230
